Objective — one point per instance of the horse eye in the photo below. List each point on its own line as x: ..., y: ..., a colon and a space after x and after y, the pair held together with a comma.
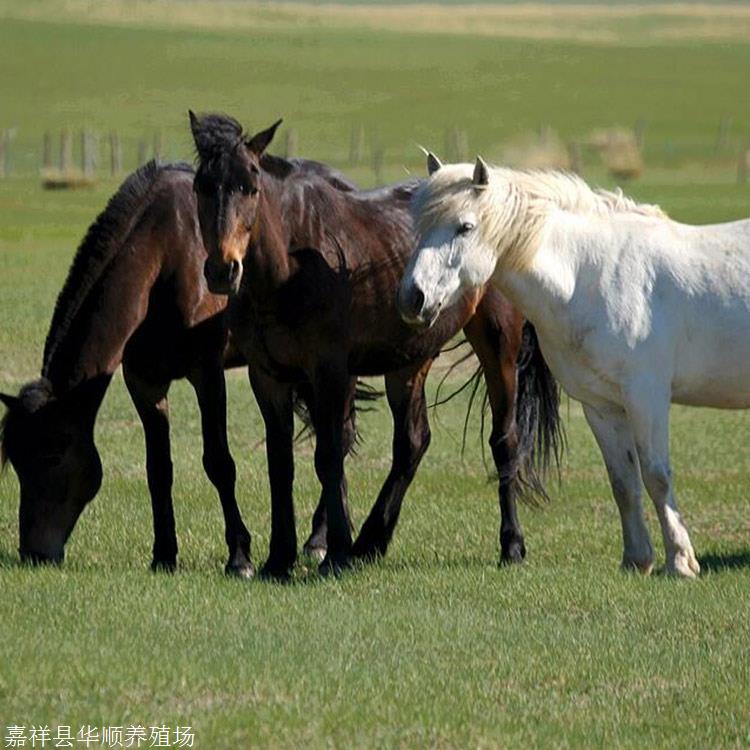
x: 465, y: 228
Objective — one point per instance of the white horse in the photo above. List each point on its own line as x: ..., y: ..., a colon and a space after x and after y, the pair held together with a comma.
x: 633, y: 311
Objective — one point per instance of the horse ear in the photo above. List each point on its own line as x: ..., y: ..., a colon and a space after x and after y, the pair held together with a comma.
x: 433, y: 163
x: 9, y: 401
x: 194, y: 122
x: 259, y: 142
x: 481, y: 176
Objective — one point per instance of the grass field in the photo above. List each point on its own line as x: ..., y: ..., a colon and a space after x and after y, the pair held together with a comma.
x: 436, y: 646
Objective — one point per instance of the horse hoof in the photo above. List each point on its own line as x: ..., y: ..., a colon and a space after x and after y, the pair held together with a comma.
x: 244, y: 570
x: 314, y: 553
x: 369, y: 548
x: 633, y: 565
x: 684, y: 565
x: 367, y: 554
x: 513, y: 554
x: 275, y: 572
x: 164, y: 566
x: 334, y: 567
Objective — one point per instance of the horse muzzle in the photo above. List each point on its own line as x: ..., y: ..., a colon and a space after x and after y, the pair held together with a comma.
x: 223, y: 278
x: 410, y: 303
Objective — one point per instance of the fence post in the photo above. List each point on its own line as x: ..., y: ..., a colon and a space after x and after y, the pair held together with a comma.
x: 357, y: 145
x: 47, y: 151
x: 576, y: 157
x: 456, y: 144
x: 743, y: 167
x: 722, y: 137
x: 544, y: 134
x: 462, y: 145
x: 640, y: 132
x: 378, y: 161
x: 450, y: 144
x: 115, y: 154
x: 66, y: 151
x: 158, y: 145
x: 89, y: 148
x: 290, y: 143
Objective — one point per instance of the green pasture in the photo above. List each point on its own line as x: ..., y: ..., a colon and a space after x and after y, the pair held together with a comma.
x: 402, y: 89
x: 435, y: 646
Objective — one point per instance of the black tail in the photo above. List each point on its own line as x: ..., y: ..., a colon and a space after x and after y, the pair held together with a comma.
x: 364, y: 393
x: 541, y: 435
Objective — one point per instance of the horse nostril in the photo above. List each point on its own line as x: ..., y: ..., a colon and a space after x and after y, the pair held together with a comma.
x: 417, y: 300
x: 234, y: 270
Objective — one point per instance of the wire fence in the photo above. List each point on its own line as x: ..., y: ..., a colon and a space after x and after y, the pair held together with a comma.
x: 70, y: 158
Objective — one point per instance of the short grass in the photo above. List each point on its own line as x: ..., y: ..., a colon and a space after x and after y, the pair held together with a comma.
x: 436, y: 646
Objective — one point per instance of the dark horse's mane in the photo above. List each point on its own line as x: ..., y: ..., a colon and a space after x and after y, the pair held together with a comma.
x: 102, y: 242
x: 215, y: 135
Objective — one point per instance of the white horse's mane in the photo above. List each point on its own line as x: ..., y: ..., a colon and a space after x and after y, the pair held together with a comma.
x: 513, y: 207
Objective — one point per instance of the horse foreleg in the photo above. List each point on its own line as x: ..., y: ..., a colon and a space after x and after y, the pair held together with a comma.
x: 411, y: 438
x: 648, y: 414
x: 331, y: 391
x: 615, y: 440
x: 316, y: 545
x: 210, y: 389
x: 151, y: 403
x: 499, y: 370
x: 276, y: 406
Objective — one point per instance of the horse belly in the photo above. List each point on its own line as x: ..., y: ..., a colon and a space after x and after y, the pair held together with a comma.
x: 579, y: 374
x: 716, y: 379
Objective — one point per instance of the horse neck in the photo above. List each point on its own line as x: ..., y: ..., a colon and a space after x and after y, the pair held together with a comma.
x: 89, y: 345
x: 543, y: 289
x: 266, y: 262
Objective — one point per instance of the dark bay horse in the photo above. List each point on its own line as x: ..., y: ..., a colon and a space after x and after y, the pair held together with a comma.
x: 136, y: 295
x: 313, y: 274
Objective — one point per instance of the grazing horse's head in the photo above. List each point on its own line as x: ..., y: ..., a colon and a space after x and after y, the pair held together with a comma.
x: 50, y: 444
x: 456, y: 251
x: 228, y: 186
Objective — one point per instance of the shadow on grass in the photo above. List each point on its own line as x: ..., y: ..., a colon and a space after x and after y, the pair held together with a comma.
x: 306, y: 572
x: 727, y: 561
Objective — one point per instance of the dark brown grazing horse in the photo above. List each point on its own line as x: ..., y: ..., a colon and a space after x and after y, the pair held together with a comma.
x: 314, y: 272
x: 135, y: 294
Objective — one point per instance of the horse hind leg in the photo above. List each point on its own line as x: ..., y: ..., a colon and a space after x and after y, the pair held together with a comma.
x: 497, y: 354
x: 649, y: 420
x: 151, y: 403
x: 615, y: 440
x: 210, y: 390
x: 316, y: 545
x: 411, y: 438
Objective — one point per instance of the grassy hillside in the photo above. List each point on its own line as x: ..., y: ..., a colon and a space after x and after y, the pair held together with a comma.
x: 403, y: 88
